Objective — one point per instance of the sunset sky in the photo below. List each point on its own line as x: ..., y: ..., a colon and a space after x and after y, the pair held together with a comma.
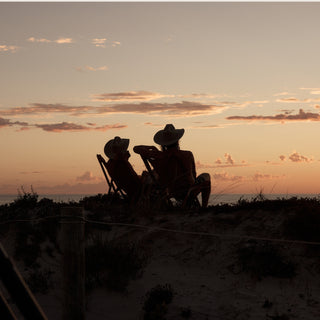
x: 242, y: 79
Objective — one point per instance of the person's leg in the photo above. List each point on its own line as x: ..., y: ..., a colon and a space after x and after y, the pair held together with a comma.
x: 204, y: 183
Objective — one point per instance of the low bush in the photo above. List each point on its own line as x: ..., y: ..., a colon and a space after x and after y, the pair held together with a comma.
x: 265, y: 260
x: 113, y: 265
x: 304, y: 224
x: 39, y: 281
x: 156, y: 302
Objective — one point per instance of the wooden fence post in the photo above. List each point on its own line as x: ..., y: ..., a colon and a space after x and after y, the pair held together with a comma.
x: 73, y: 264
x: 18, y: 290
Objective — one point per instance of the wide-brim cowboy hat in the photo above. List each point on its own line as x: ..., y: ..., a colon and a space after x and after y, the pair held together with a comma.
x: 169, y: 135
x: 116, y: 146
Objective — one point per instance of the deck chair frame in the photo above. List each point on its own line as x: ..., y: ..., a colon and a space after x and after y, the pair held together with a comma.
x: 113, y: 188
x: 149, y: 166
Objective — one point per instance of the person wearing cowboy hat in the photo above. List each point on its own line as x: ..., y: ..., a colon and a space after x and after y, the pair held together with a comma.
x: 120, y: 169
x: 176, y: 168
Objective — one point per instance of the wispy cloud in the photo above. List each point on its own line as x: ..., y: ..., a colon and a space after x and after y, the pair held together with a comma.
x: 104, y: 42
x: 9, y: 123
x: 225, y: 177
x: 38, y: 108
x: 296, y: 100
x: 6, y: 48
x: 284, y: 117
x: 128, y: 96
x: 115, y: 43
x: 88, y: 177
x: 262, y: 176
x: 59, y: 127
x: 99, y: 42
x: 89, y: 68
x: 61, y: 40
x: 284, y: 93
x: 67, y: 126
x: 228, y: 162
x: 184, y: 108
x: 312, y: 90
x: 199, y: 96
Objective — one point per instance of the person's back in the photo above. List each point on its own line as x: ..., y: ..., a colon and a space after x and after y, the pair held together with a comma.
x: 124, y: 176
x: 176, y: 171
x: 120, y: 169
x: 175, y: 167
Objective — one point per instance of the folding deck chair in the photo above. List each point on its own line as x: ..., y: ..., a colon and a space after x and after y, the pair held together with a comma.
x: 113, y: 188
x: 190, y: 203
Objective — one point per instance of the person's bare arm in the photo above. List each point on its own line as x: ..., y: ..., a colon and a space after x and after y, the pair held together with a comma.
x: 194, y: 173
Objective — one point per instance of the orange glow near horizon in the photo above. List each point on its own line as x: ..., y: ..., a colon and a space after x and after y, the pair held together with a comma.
x: 246, y: 94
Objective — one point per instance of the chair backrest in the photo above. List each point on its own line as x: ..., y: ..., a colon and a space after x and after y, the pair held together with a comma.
x: 113, y: 188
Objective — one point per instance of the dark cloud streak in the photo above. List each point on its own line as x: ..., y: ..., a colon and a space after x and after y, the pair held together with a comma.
x: 284, y: 117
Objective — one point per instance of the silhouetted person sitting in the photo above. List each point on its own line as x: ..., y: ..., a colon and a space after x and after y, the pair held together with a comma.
x: 119, y: 168
x: 176, y: 168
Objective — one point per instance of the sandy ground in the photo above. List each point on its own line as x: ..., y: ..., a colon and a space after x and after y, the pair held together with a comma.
x: 197, y: 254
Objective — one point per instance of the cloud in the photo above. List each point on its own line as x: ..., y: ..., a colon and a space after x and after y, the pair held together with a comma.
x: 60, y: 127
x: 89, y: 68
x: 41, y: 40
x: 9, y: 123
x: 296, y: 157
x: 28, y: 172
x: 312, y: 90
x: 301, y: 116
x: 284, y: 93
x: 207, y: 126
x: 184, y: 108
x: 5, y: 48
x: 61, y: 40
x: 99, y: 42
x: 229, y: 159
x: 282, y: 158
x: 67, y: 126
x: 199, y: 96
x: 87, y: 177
x: 128, y: 96
x: 296, y: 100
x: 227, y: 163
x: 103, y: 42
x: 115, y: 43
x: 200, y: 165
x: 261, y: 176
x: 38, y: 108
x: 225, y: 177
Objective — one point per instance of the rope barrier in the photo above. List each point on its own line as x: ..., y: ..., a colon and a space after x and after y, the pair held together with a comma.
x: 154, y: 228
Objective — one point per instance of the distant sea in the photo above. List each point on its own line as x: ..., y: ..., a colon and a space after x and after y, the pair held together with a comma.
x: 214, y: 198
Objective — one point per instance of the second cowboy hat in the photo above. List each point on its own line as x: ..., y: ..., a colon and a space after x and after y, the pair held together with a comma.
x: 169, y: 135
x: 116, y: 146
